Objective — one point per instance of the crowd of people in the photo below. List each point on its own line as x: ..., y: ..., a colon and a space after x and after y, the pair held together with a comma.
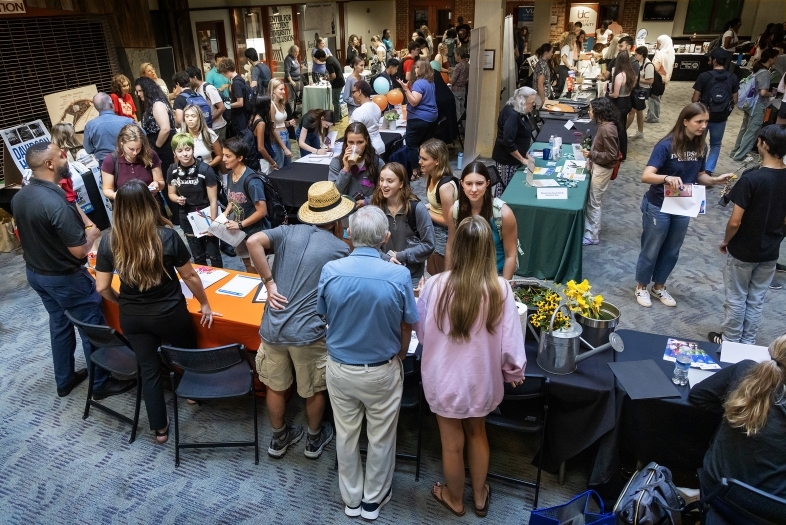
x: 365, y: 244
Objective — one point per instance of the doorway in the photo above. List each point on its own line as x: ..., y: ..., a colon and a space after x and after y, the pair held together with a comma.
x: 434, y: 14
x: 212, y: 40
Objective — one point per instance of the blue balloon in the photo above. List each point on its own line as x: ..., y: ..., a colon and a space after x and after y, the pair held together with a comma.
x: 381, y: 86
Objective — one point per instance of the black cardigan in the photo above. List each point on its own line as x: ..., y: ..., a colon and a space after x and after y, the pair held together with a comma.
x: 513, y: 134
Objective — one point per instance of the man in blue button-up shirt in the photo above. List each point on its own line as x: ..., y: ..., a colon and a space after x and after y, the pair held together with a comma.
x: 101, y: 132
x: 370, y: 308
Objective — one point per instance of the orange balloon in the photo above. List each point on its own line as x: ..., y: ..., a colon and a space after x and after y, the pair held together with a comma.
x: 395, y: 96
x: 446, y: 78
x: 380, y: 101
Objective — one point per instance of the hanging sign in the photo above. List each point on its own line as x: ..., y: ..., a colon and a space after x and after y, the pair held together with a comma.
x: 12, y: 7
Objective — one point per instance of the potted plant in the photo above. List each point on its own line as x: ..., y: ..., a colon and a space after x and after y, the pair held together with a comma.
x: 390, y: 118
x: 529, y: 293
x: 597, y: 317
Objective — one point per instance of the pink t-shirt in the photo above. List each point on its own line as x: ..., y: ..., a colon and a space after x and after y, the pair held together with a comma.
x: 462, y: 380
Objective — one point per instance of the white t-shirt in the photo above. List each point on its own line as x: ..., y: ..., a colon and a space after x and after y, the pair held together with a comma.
x: 213, y: 97
x: 369, y: 114
x: 732, y: 42
x: 567, y: 52
x: 648, y: 70
x: 605, y: 37
x: 205, y: 150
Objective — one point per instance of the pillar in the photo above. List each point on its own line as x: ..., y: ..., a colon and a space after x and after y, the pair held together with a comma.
x: 489, y: 14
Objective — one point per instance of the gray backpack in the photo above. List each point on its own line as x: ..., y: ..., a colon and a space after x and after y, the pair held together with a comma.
x: 650, y: 498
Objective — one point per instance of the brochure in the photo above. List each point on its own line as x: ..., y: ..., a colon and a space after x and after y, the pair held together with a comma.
x: 700, y: 359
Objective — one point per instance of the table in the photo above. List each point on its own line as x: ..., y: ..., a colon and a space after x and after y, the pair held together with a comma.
x: 569, y: 136
x: 688, y: 66
x: 293, y: 181
x: 317, y: 97
x: 550, y: 231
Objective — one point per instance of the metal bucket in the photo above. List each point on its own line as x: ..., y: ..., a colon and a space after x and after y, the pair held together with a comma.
x: 558, y: 349
x: 596, y: 332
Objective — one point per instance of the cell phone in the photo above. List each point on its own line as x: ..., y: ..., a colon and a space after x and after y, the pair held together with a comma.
x: 359, y: 195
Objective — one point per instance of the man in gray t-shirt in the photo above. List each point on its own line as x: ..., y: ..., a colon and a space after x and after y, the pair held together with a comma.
x: 292, y: 332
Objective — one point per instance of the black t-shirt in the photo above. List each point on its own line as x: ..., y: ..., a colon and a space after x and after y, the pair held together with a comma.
x: 160, y: 299
x: 704, y: 83
x: 192, y: 184
x: 237, y: 91
x: 48, y: 226
x: 181, y: 101
x: 333, y: 67
x: 761, y: 192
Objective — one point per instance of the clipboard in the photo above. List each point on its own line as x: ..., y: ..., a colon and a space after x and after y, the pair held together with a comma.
x: 260, y: 294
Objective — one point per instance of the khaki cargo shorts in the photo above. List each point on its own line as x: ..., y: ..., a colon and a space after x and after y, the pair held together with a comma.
x: 276, y: 364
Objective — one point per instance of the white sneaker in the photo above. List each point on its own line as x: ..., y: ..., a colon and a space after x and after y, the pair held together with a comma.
x: 664, y: 296
x: 352, y: 512
x: 643, y: 297
x: 638, y: 135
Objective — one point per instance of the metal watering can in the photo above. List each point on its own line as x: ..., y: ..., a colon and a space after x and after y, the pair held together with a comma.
x: 558, y: 350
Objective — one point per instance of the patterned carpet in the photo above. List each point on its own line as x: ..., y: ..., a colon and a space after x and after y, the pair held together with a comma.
x: 57, y: 468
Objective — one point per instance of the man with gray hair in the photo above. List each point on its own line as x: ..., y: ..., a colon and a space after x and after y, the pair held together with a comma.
x: 369, y: 307
x: 101, y: 132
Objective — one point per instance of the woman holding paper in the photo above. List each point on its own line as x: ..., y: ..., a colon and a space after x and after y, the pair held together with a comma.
x: 601, y: 160
x: 193, y: 185
x: 676, y: 161
x: 145, y: 250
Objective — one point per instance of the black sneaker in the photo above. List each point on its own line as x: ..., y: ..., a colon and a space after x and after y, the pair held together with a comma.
x: 775, y: 285
x: 314, y: 447
x: 279, y: 445
x: 114, y: 387
x: 715, y: 337
x: 780, y: 267
x: 370, y: 511
x: 79, y: 376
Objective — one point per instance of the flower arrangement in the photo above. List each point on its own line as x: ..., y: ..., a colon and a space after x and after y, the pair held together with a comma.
x: 530, y: 295
x: 546, y: 306
x: 391, y: 116
x: 580, y: 300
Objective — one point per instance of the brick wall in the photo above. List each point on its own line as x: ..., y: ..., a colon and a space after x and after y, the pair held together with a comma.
x: 465, y: 9
x: 558, y: 10
x: 630, y: 16
x: 402, y: 25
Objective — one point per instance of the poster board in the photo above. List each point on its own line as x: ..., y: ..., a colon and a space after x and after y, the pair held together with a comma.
x: 74, y: 106
x: 587, y: 14
x: 319, y: 18
x: 17, y: 140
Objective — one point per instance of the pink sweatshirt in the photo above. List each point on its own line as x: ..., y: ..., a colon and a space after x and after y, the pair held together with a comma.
x: 464, y: 380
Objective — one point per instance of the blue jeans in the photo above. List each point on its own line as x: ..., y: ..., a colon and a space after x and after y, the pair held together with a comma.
x: 312, y: 139
x: 661, y: 239
x: 746, y: 284
x: 76, y: 293
x: 278, y: 154
x: 716, y: 130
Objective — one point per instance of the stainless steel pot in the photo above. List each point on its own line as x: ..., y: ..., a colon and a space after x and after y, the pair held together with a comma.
x: 596, y: 332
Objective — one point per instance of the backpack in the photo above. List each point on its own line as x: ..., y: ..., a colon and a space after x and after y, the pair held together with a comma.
x: 718, y: 97
x: 748, y: 93
x: 658, y: 86
x: 248, y: 95
x: 445, y: 180
x: 496, y: 211
x: 200, y: 102
x: 715, y: 43
x: 263, y: 80
x: 252, y: 158
x: 650, y: 497
x: 411, y: 219
x: 276, y: 211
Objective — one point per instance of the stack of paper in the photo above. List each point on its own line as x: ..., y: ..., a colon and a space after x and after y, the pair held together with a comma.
x: 736, y: 352
x: 200, y: 221
x: 686, y: 206
x: 209, y: 276
x: 239, y: 286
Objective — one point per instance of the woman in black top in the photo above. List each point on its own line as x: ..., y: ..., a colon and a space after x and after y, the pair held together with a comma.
x: 513, y: 136
x: 749, y: 443
x: 193, y: 185
x: 353, y: 50
x: 145, y: 250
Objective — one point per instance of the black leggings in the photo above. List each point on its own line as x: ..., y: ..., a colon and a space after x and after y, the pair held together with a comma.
x: 146, y: 333
x: 202, y: 248
x: 624, y: 105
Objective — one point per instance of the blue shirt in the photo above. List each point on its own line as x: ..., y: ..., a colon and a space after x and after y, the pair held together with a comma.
x: 667, y: 163
x: 218, y: 80
x: 427, y: 108
x: 364, y: 300
x: 101, y: 133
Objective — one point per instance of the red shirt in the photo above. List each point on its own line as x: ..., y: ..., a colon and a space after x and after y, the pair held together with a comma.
x: 68, y: 187
x: 124, y: 106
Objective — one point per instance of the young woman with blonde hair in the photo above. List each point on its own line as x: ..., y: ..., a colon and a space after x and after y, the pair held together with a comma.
x: 133, y: 158
x: 278, y: 115
x: 442, y: 192
x: 473, y: 345
x: 748, y: 445
x: 206, y: 144
x: 146, y: 252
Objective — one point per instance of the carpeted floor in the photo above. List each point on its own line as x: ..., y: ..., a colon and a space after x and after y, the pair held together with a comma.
x: 57, y: 468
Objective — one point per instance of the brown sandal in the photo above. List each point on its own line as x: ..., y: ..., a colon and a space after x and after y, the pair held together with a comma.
x: 481, y: 513
x: 445, y: 503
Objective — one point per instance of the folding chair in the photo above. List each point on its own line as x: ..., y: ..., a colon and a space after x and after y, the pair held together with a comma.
x: 734, y: 502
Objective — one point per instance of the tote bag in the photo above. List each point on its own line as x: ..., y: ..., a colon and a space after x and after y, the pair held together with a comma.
x: 576, y: 511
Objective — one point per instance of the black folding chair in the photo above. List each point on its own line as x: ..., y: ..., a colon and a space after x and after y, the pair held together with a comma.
x: 211, y: 373
x: 734, y: 502
x: 114, y: 354
x: 524, y: 409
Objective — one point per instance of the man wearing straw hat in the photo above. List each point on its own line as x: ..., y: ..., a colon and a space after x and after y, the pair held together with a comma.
x: 292, y: 332
x: 370, y: 308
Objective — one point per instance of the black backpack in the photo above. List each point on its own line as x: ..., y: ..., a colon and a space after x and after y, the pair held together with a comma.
x: 249, y: 97
x: 411, y: 219
x: 658, y: 86
x: 400, y: 73
x: 264, y: 79
x: 444, y: 180
x: 276, y: 211
x: 717, y: 97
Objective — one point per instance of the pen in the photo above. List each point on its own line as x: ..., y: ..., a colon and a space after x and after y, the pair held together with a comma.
x: 205, y: 217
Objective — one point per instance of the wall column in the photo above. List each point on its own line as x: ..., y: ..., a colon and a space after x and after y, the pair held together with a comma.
x: 491, y: 15
x: 541, y: 26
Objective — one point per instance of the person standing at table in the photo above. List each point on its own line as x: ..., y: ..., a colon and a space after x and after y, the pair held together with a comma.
x: 459, y: 77
x: 676, y: 161
x: 542, y: 74
x: 421, y: 108
x: 133, y: 158
x: 355, y: 76
x: 55, y: 242
x: 356, y: 169
x: 753, y: 116
x: 100, y: 135
x: 145, y: 250
x: 292, y: 332
x: 353, y: 51
x: 441, y: 192
x: 369, y: 308
x: 753, y: 238
x: 729, y: 39
x: 367, y: 113
x: 335, y: 74
x: 472, y: 346
x: 260, y: 72
x: 601, y: 160
x: 622, y: 82
x: 513, y: 136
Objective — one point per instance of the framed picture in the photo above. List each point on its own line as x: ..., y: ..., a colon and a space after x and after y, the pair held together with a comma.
x: 488, y: 58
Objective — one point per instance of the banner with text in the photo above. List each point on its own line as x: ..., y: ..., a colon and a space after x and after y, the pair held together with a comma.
x: 19, y: 138
x: 587, y: 14
x: 282, y: 35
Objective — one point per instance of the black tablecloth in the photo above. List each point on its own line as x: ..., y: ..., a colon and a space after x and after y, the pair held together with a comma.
x: 569, y: 136
x: 293, y: 181
x: 688, y: 66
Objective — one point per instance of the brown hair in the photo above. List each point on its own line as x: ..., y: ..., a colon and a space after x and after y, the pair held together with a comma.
x: 369, y: 155
x: 425, y: 70
x: 132, y: 133
x: 748, y: 405
x: 623, y: 65
x: 472, y: 289
x: 117, y: 85
x: 407, y: 195
x: 680, y: 143
x: 464, y: 206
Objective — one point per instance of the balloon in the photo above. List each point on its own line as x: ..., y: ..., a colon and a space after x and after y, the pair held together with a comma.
x: 380, y: 100
x: 395, y: 97
x: 436, y: 65
x: 445, y: 77
x: 381, y: 85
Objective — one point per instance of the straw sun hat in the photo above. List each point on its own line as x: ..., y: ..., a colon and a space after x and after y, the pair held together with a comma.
x: 325, y: 204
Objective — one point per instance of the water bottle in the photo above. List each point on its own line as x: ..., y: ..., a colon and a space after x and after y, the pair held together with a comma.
x: 551, y: 144
x: 681, y: 367
x: 460, y: 161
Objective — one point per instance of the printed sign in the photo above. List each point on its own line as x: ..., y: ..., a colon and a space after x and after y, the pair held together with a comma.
x: 74, y: 106
x: 526, y: 14
x: 552, y: 193
x: 19, y: 138
x: 12, y: 7
x: 587, y: 14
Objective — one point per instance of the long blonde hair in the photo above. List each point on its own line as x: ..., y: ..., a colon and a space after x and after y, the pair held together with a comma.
x: 274, y: 83
x: 204, y: 129
x: 132, y: 133
x: 64, y: 137
x: 748, y: 405
x: 135, y: 242
x: 472, y: 289
x: 437, y: 150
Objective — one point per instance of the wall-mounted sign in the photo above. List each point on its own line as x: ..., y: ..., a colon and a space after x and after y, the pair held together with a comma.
x: 526, y: 14
x: 281, y: 34
x: 12, y: 7
x: 587, y: 14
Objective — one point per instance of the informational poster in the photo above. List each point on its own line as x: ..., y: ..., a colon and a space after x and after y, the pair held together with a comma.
x: 74, y: 106
x: 282, y: 34
x: 320, y: 18
x: 526, y: 15
x: 587, y: 14
x: 19, y: 138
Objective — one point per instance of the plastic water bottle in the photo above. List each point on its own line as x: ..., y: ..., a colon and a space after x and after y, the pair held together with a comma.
x: 551, y: 145
x: 681, y: 367
x: 460, y: 161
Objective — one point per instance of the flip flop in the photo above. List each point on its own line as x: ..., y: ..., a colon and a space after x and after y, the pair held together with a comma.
x: 481, y: 513
x: 445, y: 503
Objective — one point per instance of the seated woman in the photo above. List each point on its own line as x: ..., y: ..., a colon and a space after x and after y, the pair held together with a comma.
x: 145, y: 251
x: 355, y: 171
x: 311, y: 133
x: 367, y: 113
x: 749, y: 443
x: 411, y: 230
x: 475, y: 199
x: 133, y: 159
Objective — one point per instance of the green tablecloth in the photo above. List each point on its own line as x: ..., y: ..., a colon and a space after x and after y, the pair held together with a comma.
x: 550, y: 231
x: 315, y: 97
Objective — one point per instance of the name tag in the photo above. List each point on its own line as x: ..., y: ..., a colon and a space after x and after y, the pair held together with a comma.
x: 552, y: 193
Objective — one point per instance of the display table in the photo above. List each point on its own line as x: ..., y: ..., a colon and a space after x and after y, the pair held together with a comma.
x: 293, y: 181
x: 688, y: 66
x: 569, y: 136
x: 317, y: 97
x: 550, y: 231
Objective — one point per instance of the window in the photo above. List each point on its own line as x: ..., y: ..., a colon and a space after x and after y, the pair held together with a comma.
x: 720, y: 11
x: 248, y: 33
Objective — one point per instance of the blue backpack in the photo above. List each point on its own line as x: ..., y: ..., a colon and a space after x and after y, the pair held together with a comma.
x: 748, y: 94
x: 200, y: 102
